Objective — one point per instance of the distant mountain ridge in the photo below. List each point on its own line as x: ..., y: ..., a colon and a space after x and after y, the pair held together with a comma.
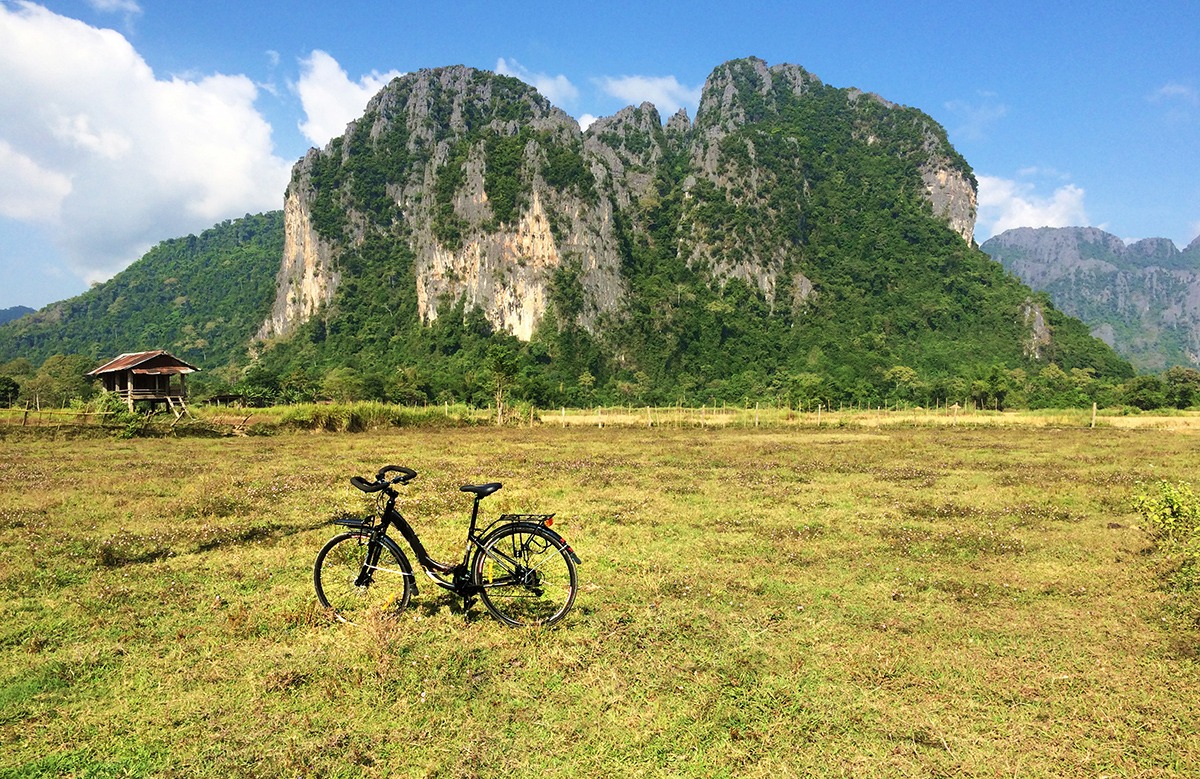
x: 1142, y: 298
x: 16, y: 312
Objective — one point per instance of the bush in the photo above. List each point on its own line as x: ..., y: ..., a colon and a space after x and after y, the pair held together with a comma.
x: 1172, y: 517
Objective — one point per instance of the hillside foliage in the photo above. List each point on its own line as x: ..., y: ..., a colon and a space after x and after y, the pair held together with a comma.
x: 200, y: 297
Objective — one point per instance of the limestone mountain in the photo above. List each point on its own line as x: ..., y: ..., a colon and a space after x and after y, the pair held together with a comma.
x: 793, y: 228
x: 1143, y: 298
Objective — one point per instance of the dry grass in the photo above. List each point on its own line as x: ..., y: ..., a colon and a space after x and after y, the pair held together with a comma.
x: 852, y: 601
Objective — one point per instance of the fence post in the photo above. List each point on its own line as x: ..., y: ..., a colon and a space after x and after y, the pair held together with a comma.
x: 1093, y: 414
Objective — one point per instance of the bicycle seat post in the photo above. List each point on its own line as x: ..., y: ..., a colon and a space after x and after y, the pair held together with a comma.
x: 480, y: 491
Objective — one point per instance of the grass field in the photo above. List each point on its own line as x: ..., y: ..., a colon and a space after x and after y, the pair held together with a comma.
x: 901, y: 601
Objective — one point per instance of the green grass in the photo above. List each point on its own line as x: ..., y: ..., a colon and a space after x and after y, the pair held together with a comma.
x: 924, y: 601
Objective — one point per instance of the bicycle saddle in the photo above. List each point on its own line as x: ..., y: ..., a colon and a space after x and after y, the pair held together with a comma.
x: 481, y: 491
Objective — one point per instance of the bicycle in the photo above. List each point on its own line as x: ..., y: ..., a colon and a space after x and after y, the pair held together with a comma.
x: 523, y: 571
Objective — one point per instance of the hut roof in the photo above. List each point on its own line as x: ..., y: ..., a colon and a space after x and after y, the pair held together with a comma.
x: 155, y: 363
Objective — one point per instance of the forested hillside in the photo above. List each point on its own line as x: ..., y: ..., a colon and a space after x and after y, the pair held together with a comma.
x: 797, y: 240
x: 201, y: 297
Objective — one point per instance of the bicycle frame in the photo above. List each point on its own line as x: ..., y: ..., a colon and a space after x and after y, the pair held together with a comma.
x: 459, y: 583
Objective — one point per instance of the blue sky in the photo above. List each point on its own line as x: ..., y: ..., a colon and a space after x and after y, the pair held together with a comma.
x: 128, y: 122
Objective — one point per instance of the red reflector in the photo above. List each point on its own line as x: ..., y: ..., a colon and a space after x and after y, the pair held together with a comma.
x: 549, y: 521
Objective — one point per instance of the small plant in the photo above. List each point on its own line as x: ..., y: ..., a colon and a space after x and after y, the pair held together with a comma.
x: 1172, y: 516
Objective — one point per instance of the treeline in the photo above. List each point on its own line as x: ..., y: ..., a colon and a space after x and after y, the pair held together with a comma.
x: 506, y: 371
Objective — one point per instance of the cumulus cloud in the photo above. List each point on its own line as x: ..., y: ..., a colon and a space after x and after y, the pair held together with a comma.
x: 29, y: 192
x: 108, y: 158
x: 586, y: 120
x: 665, y: 92
x: 330, y: 99
x: 557, y: 89
x: 1007, y: 203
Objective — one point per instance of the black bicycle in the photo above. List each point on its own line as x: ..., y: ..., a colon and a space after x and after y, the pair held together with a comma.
x: 523, y: 571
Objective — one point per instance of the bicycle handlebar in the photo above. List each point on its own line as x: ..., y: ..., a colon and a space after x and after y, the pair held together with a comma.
x: 403, y: 476
x: 406, y: 474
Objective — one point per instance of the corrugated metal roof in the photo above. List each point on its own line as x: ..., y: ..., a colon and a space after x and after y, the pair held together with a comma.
x: 133, y: 359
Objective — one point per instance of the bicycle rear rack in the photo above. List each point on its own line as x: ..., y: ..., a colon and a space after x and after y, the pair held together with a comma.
x: 538, y: 518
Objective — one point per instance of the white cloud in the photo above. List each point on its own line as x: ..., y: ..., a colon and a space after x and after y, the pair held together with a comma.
x: 116, y: 6
x: 665, y: 92
x: 557, y: 89
x: 975, y: 119
x: 330, y: 99
x: 1176, y: 93
x: 1006, y: 203
x: 585, y: 121
x: 109, y: 159
x: 29, y: 192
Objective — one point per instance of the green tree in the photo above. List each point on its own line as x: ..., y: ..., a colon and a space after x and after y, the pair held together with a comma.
x: 1182, y: 387
x: 503, y: 362
x: 1145, y: 392
x: 61, y: 379
x: 904, y: 381
x: 9, y: 389
x: 343, y: 385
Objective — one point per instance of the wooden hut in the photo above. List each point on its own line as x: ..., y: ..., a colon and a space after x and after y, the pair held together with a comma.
x: 147, y: 377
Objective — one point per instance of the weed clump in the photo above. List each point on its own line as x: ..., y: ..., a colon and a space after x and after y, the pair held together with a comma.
x: 1171, y: 516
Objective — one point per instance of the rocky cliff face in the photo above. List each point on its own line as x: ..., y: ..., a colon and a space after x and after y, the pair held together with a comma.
x: 493, y: 192
x: 306, y: 280
x: 1143, y: 299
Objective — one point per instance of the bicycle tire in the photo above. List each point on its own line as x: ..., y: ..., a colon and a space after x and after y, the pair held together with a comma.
x: 338, y: 567
x: 525, y: 576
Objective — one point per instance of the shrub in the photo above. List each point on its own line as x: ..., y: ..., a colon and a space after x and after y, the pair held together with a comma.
x: 1172, y: 516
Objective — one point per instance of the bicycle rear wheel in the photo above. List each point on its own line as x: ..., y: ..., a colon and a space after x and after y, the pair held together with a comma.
x: 356, y: 578
x: 526, y: 576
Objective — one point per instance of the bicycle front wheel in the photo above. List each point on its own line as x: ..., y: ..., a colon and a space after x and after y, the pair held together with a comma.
x: 526, y: 576
x: 356, y: 578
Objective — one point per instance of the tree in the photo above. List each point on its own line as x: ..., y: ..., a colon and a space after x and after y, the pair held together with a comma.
x: 1145, y: 392
x: 903, y: 379
x: 1182, y: 387
x: 343, y: 385
x: 61, y: 379
x: 9, y: 389
x: 502, y: 361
